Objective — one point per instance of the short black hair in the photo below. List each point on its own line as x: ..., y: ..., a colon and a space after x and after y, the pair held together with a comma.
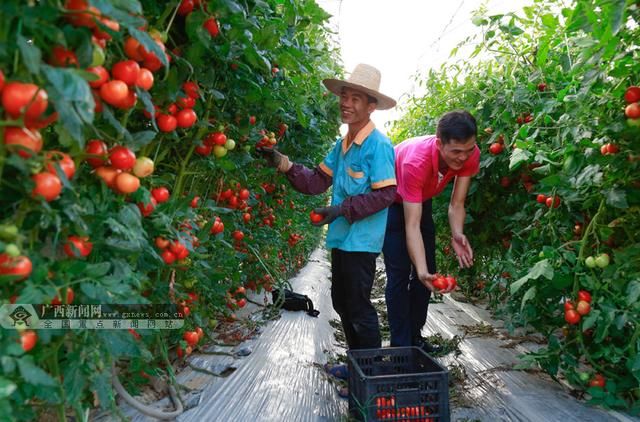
x: 371, y: 99
x: 457, y: 125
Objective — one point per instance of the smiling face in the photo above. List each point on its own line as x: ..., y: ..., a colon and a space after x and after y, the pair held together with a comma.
x: 355, y: 107
x: 455, y: 153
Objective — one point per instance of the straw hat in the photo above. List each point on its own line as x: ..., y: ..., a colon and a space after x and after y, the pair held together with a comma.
x: 364, y: 78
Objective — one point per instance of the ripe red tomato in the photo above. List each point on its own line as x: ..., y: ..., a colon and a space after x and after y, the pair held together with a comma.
x: 19, y: 266
x: 632, y: 111
x: 246, y: 217
x: 129, y: 101
x: 191, y: 89
x: 96, y: 147
x: 200, y: 333
x: 122, y: 158
x: 451, y: 283
x: 127, y: 71
x: 541, y: 198
x: 186, y: 7
x: 82, y: 14
x: 103, y: 34
x: 568, y: 305
x: 203, y: 150
x: 237, y: 235
x: 186, y: 117
x: 162, y: 243
x: 22, y: 140
x: 584, y: 295
x: 77, y: 246
x: 16, y: 96
x: 218, y: 138
x: 186, y: 102
x: 315, y: 218
x: 597, y: 381
x: 101, y: 73
x: 217, y: 227
x: 168, y: 257
x: 542, y: 86
x: 47, y: 186
x: 166, y: 122
x: 62, y: 57
x: 132, y: 49
x: 147, y: 209
x: 108, y: 174
x: 572, y: 317
x: 179, y: 352
x: 552, y: 201
x: 145, y: 79
x: 583, y: 307
x: 28, y: 340
x: 70, y: 296
x: 252, y: 120
x: 195, y: 201
x: 440, y: 283
x: 496, y: 148
x: 127, y: 183
x: 160, y: 194
x: 609, y: 148
x: 178, y: 248
x: 58, y: 158
x: 114, y: 92
x: 211, y: 25
x: 241, y: 303
x: 632, y: 94
x: 191, y: 337
x: 244, y: 194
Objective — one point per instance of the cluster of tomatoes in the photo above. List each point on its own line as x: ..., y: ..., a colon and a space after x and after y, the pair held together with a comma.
x: 549, y: 201
x: 444, y: 283
x: 171, y: 251
x: 118, y: 167
x: 573, y: 313
x: 600, y: 261
x: 632, y: 110
x: 179, y: 114
x: 211, y: 24
x: 386, y: 410
x: 294, y: 238
x: 236, y: 299
x: 236, y: 199
x: 268, y: 140
x: 216, y: 142
x: 524, y: 118
x: 192, y: 338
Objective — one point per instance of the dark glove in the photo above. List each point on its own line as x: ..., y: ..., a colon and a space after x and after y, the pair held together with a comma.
x: 271, y: 155
x: 329, y: 213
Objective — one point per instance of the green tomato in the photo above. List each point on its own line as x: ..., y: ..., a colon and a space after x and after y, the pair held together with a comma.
x: 584, y: 376
x: 213, y: 323
x: 602, y: 260
x: 12, y: 250
x: 98, y: 56
x: 590, y: 262
x: 541, y: 254
x: 247, y: 149
x: 230, y: 144
x: 8, y: 231
x: 219, y: 151
x: 633, y: 122
x: 154, y: 33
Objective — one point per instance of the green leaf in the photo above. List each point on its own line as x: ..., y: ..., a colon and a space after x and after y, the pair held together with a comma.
x: 142, y: 138
x: 530, y: 294
x: 633, y: 292
x: 616, y: 198
x: 34, y: 374
x: 541, y: 268
x: 149, y: 44
x: 6, y: 388
x: 30, y: 54
x: 518, y: 156
x: 97, y: 270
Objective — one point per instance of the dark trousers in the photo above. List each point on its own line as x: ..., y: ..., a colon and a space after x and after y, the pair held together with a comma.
x: 352, y: 275
x: 407, y: 298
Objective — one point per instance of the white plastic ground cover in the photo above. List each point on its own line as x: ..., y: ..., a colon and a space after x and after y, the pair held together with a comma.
x: 281, y: 380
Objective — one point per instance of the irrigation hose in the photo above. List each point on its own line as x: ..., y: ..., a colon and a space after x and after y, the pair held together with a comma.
x: 143, y: 408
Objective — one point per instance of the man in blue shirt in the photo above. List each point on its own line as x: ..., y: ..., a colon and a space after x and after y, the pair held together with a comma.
x: 361, y: 169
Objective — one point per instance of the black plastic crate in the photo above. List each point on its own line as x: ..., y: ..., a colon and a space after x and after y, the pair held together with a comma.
x: 397, y: 384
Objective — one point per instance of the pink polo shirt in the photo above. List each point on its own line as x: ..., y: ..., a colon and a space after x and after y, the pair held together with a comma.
x: 417, y: 169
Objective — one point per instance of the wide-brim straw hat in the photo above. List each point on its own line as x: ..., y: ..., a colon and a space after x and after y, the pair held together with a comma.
x: 364, y: 78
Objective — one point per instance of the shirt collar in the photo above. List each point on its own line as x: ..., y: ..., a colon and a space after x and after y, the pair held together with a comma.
x: 360, y: 137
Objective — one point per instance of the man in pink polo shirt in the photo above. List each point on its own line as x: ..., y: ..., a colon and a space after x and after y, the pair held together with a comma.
x: 424, y: 166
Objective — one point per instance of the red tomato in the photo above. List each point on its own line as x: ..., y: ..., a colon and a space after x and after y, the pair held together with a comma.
x: 244, y: 194
x: 145, y: 79
x: 541, y: 198
x: 195, y: 201
x: 542, y: 86
x: 101, y: 34
x: 451, y: 283
x: 211, y: 25
x: 77, y: 246
x: 186, y: 102
x: 191, y: 89
x: 632, y: 111
x: 172, y: 109
x: 315, y: 218
x: 555, y: 202
x: 177, y: 248
x: 129, y: 101
x: 70, y: 296
x: 28, y: 340
x: 47, y: 186
x: 16, y: 96
x: 96, y: 147
x: 101, y: 73
x: 200, y: 333
x: 583, y: 307
x: 597, y: 381
x: 568, y: 305
x: 217, y: 227
x: 179, y: 352
x: 127, y: 183
x: 203, y: 150
x: 241, y: 303
x: 252, y: 120
x: 168, y: 257
x: 246, y: 217
x: 132, y: 49
x: 108, y: 174
x: 160, y: 194
x: 186, y: 118
x: 19, y: 266
x: 496, y: 148
x: 166, y: 122
x: 57, y: 158
x: 147, y: 209
x: 632, y: 94
x: 572, y: 317
x: 114, y: 92
x: 127, y: 71
x: 82, y: 14
x: 62, y: 57
x: 122, y: 158
x: 440, y: 283
x: 237, y: 235
x: 162, y: 243
x: 584, y: 295
x: 186, y: 7
x: 1, y: 80
x: 22, y: 140
x: 191, y: 337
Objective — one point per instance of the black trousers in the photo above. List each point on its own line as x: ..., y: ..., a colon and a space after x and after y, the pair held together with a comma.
x: 352, y: 275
